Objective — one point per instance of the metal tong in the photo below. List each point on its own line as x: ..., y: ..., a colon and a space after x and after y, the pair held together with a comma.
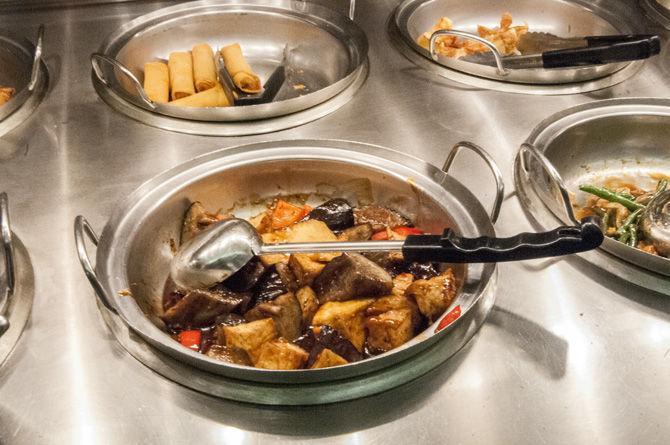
x: 270, y: 89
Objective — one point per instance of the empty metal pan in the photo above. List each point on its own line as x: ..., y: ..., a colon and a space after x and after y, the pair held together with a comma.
x: 563, y: 18
x: 624, y: 139
x: 326, y: 51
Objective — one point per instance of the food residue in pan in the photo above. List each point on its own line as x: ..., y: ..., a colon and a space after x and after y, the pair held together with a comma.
x: 6, y: 93
x: 307, y: 311
x: 505, y: 37
x: 620, y: 205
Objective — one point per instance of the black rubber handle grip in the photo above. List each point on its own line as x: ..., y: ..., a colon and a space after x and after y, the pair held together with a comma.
x: 642, y: 47
x: 451, y: 248
x: 619, y: 38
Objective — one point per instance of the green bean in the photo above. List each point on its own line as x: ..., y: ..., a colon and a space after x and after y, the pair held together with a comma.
x: 632, y: 218
x: 605, y: 221
x: 624, y: 238
x: 661, y: 186
x: 611, y: 196
x: 632, y: 241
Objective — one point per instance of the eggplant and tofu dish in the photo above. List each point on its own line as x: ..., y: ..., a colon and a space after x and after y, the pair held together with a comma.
x: 308, y: 311
x: 620, y: 206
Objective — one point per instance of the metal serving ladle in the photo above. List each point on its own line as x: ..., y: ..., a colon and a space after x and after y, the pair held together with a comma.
x: 656, y: 222
x: 225, y: 247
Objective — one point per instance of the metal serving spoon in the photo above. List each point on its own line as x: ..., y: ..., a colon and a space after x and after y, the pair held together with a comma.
x: 225, y: 247
x: 656, y: 222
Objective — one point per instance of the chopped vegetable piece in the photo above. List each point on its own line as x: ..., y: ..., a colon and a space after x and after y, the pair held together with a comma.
x: 632, y: 218
x: 611, y: 196
x: 190, y: 339
x: 285, y: 214
x: 381, y: 235
x: 406, y: 231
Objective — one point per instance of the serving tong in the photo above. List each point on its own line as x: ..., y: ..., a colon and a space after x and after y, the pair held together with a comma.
x: 545, y: 50
x: 270, y: 89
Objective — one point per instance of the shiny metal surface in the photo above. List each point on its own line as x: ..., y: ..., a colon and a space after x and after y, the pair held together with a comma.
x: 569, y: 354
x: 565, y: 18
x: 325, y: 53
x: 658, y: 10
x: 134, y: 252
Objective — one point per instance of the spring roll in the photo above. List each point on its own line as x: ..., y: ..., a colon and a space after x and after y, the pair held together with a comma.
x: 181, y: 74
x: 214, y: 97
x: 204, y: 70
x: 6, y: 93
x: 243, y: 76
x: 157, y: 81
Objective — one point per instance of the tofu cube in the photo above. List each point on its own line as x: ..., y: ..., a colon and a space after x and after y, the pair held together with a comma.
x: 305, y: 268
x: 433, y: 296
x: 282, y: 355
x: 347, y: 317
x: 328, y: 359
x: 390, y: 329
x: 300, y: 232
x: 248, y: 337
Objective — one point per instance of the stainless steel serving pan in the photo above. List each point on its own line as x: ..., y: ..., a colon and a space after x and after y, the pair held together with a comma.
x: 20, y: 62
x: 564, y: 18
x: 626, y: 138
x: 327, y: 52
x: 16, y: 283
x: 133, y: 252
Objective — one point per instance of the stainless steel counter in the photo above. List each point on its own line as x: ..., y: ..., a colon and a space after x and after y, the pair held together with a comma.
x: 569, y: 355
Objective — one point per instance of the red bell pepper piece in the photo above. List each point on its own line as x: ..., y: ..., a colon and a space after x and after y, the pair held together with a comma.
x: 191, y: 339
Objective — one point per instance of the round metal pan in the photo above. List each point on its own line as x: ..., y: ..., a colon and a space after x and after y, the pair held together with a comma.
x: 327, y: 52
x: 134, y: 251
x: 563, y: 18
x: 21, y: 69
x: 624, y: 138
x: 17, y: 285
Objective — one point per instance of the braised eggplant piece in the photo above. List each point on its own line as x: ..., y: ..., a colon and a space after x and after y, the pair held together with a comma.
x: 318, y: 338
x: 337, y: 213
x: 281, y: 355
x: 380, y: 217
x: 284, y: 310
x: 421, y: 271
x: 351, y: 276
x: 269, y: 286
x: 197, y: 219
x: 327, y: 359
x: 248, y: 337
x: 247, y: 277
x: 391, y: 321
x: 229, y: 320
x: 348, y: 317
x: 201, y: 307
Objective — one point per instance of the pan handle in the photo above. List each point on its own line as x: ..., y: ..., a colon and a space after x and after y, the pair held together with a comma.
x: 497, y: 175
x: 502, y: 71
x: 37, y: 59
x: 8, y: 252
x: 550, y: 170
x: 96, y: 58
x: 81, y: 229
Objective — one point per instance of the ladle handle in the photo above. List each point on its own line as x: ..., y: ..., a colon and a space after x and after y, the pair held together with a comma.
x: 83, y: 229
x: 8, y: 252
x: 96, y: 58
x: 451, y: 248
x: 602, y: 52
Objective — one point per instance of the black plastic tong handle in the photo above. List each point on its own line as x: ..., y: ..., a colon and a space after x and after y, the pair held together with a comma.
x: 604, y: 49
x: 451, y: 248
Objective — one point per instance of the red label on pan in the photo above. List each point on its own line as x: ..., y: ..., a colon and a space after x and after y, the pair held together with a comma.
x: 449, y: 318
